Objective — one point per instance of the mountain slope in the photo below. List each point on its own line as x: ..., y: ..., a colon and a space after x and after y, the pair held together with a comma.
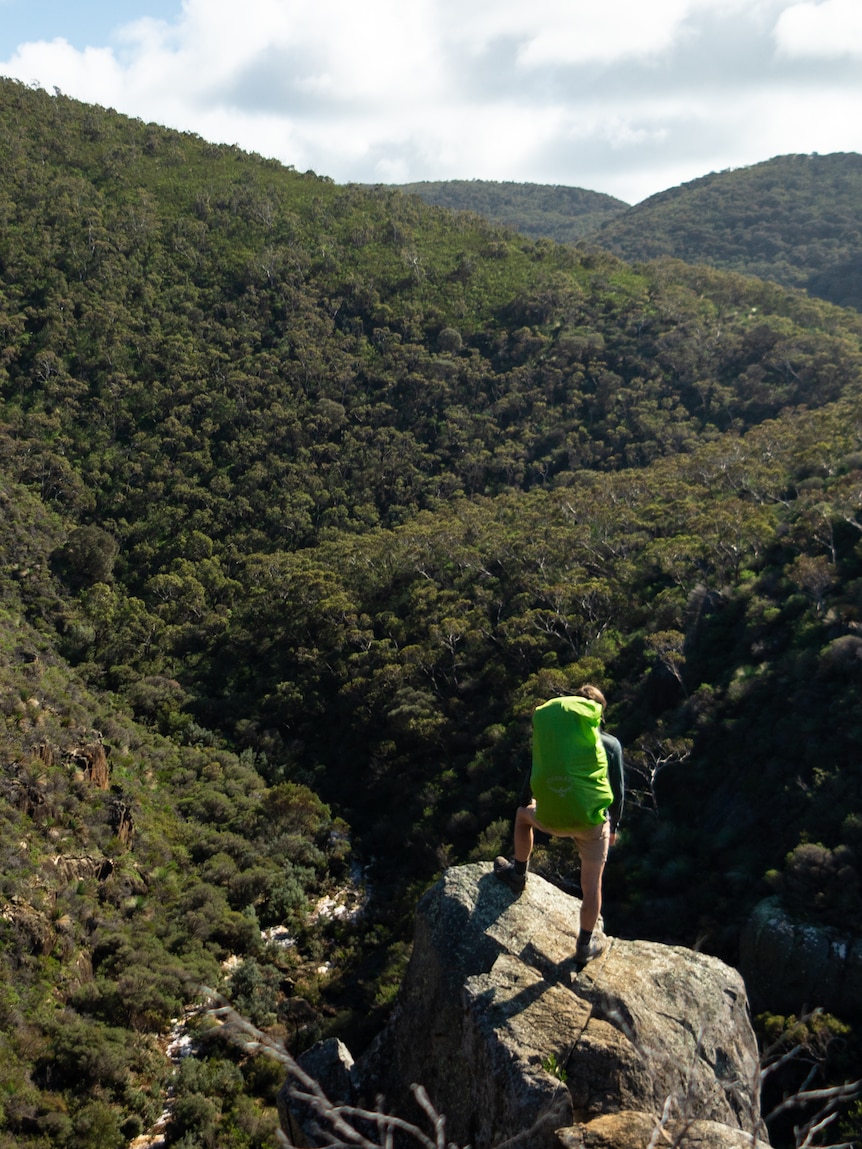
x: 133, y: 868
x: 223, y: 366
x: 563, y: 214
x: 794, y: 219
x: 311, y: 493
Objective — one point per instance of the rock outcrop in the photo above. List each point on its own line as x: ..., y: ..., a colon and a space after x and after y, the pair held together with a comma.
x: 92, y: 761
x: 32, y: 929
x: 516, y: 1044
x: 69, y: 869
x: 789, y: 965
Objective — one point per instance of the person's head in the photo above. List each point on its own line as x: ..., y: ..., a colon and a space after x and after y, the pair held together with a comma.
x: 593, y: 693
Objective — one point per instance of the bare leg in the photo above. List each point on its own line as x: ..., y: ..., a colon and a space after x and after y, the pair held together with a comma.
x: 591, y: 870
x: 525, y: 819
x: 591, y: 886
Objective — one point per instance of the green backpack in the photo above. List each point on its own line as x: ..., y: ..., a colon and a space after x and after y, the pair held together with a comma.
x: 569, y: 778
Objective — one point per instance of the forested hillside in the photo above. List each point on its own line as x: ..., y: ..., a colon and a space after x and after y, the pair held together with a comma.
x: 793, y: 219
x: 309, y: 494
x: 563, y: 214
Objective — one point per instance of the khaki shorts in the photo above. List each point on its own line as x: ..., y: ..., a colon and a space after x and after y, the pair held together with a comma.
x: 593, y: 842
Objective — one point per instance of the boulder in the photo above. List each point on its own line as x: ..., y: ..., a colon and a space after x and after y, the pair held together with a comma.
x: 69, y: 869
x: 93, y: 763
x: 637, y: 1131
x: 516, y: 1043
x: 790, y: 965
x: 33, y: 930
x: 330, y: 1063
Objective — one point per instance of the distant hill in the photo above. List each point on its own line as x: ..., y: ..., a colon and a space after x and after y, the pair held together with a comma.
x: 795, y: 219
x: 563, y: 214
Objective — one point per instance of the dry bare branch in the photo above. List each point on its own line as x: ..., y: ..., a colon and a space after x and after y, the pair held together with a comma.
x: 336, y: 1125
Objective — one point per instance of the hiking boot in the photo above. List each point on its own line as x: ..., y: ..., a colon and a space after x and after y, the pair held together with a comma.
x: 506, y: 872
x: 592, y: 949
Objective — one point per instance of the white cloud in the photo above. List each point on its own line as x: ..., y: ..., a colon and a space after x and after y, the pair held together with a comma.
x: 335, y: 47
x: 621, y: 96
x: 612, y: 30
x: 832, y: 28
x: 92, y: 75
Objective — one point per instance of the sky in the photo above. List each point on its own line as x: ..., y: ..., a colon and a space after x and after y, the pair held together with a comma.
x: 625, y: 97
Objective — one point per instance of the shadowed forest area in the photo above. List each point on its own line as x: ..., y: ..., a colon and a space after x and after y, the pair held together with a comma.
x: 308, y: 495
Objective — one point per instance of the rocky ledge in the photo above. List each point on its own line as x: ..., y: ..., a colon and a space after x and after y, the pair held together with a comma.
x: 516, y: 1044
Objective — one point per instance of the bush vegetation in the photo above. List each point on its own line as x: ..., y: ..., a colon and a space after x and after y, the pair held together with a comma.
x: 309, y: 494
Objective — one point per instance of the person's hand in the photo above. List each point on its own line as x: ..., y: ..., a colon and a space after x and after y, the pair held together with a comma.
x: 613, y: 838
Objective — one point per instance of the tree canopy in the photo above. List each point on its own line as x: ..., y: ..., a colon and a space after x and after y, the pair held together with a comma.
x: 309, y: 494
x: 793, y: 219
x: 564, y: 214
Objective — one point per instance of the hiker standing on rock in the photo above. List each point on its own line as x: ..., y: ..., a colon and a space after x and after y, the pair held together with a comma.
x: 578, y: 792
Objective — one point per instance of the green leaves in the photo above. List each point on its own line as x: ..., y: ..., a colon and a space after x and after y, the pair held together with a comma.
x: 328, y: 489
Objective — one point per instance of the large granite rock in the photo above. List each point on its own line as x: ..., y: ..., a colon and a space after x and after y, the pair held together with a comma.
x: 789, y: 965
x: 492, y: 1001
